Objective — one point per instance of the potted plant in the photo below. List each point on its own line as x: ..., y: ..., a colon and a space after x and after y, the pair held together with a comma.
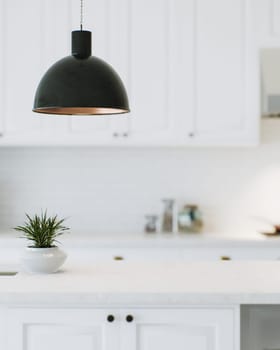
x: 43, y: 255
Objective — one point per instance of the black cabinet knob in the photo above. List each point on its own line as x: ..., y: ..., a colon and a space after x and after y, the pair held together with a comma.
x: 110, y: 318
x: 129, y: 318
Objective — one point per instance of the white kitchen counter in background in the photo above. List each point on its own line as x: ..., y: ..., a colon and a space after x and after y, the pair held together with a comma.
x: 150, y: 248
x: 156, y: 269
x: 144, y: 240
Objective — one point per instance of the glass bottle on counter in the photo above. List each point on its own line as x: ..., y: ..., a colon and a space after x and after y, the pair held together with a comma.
x: 168, y: 215
x: 151, y: 223
x: 190, y: 219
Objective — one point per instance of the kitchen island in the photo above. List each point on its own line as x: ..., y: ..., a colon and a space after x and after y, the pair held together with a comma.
x: 124, y: 305
x: 120, y: 283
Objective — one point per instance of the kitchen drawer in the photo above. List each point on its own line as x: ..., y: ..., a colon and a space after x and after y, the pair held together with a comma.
x: 234, y: 253
x: 146, y: 254
x: 127, y: 254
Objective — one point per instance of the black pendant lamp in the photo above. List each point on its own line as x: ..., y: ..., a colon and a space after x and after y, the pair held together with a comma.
x: 81, y: 84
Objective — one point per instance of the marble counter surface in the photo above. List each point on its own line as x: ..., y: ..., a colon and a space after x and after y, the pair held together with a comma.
x: 158, y: 284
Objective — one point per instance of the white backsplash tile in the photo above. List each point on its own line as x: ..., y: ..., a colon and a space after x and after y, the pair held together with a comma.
x: 112, y: 189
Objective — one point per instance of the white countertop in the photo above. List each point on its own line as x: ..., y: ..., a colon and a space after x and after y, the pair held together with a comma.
x: 131, y: 284
x: 143, y: 240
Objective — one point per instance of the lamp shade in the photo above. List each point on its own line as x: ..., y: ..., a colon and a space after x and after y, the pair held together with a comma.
x: 81, y: 84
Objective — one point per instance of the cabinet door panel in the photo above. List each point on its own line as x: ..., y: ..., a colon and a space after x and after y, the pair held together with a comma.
x: 22, y: 64
x: 61, y: 337
x: 44, y: 329
x: 275, y: 17
x: 220, y: 62
x: 197, y: 329
x: 2, y: 68
x: 266, y: 20
x: 177, y: 337
x: 226, y: 70
x: 37, y: 33
x: 161, y: 71
x: 149, y: 64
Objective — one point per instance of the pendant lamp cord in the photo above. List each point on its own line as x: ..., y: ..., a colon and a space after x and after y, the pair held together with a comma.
x: 81, y: 14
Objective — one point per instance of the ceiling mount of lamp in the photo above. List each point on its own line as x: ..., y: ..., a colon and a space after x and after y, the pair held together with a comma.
x: 81, y: 84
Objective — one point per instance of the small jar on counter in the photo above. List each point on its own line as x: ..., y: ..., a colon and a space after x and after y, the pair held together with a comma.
x: 151, y: 223
x: 190, y: 219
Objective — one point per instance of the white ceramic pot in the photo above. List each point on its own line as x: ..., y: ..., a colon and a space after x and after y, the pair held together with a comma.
x: 43, y: 260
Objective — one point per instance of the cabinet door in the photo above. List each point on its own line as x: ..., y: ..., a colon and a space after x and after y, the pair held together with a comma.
x: 21, y: 66
x: 2, y: 71
x: 35, y: 35
x: 33, y: 38
x: 57, y: 329
x: 108, y: 21
x: 195, y: 329
x: 154, y: 60
x: 3, y: 327
x: 227, y: 74
x: 267, y: 22
x: 160, y: 72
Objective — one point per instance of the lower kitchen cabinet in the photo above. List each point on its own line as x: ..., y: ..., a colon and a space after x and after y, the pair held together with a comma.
x: 165, y: 329
x: 57, y: 329
x: 132, y: 329
x: 173, y: 254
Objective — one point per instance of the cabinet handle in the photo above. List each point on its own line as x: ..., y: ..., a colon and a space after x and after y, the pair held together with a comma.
x: 191, y: 134
x: 116, y: 134
x: 225, y: 258
x: 118, y: 257
x: 129, y: 318
x: 110, y: 318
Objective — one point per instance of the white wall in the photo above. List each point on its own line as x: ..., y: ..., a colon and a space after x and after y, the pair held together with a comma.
x: 112, y: 189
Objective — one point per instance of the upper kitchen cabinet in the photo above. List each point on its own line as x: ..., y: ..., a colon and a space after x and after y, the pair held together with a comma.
x: 20, y: 66
x: 193, y: 73
x: 27, y: 51
x: 190, y: 68
x: 226, y: 80
x: 267, y: 19
x: 160, y: 71
x: 267, y: 23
